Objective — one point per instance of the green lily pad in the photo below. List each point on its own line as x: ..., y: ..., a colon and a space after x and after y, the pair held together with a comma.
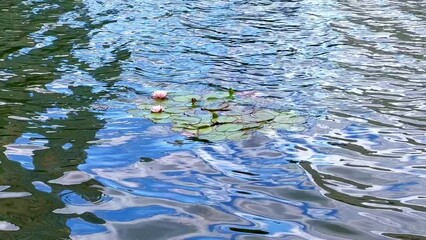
x: 192, y: 131
x: 216, y: 95
x: 248, y: 119
x: 229, y: 127
x: 205, y: 130
x: 186, y: 98
x: 206, y: 119
x: 187, y: 120
x: 216, y: 106
x: 161, y: 115
x: 235, y: 136
x: 251, y: 126
x: 272, y: 112
x: 218, y: 115
x: 235, y: 110
x: 226, y: 119
x: 213, y: 137
x: 145, y: 106
x: 289, y: 117
x: 201, y: 125
x: 163, y: 120
x: 263, y: 115
x: 175, y: 110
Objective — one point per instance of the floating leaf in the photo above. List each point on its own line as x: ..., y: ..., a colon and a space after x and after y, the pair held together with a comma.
x: 201, y: 125
x: 163, y: 120
x: 197, y: 116
x: 145, y: 106
x: 186, y: 98
x: 226, y: 119
x: 175, y: 110
x: 216, y: 106
x: 161, y: 115
x: 235, y: 136
x: 236, y: 110
x: 215, y: 96
x: 187, y: 120
x: 263, y: 116
x: 249, y: 119
x: 206, y: 119
x: 212, y: 137
x: 272, y: 112
x: 192, y: 131
x: 289, y: 117
x: 229, y: 127
x: 251, y: 126
x: 205, y: 130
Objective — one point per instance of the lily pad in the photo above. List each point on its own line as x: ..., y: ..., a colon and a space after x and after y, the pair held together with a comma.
x: 235, y: 136
x: 212, y: 137
x: 263, y: 115
x: 163, y: 120
x: 192, y: 131
x: 229, y: 127
x: 251, y: 126
x: 157, y: 115
x: 205, y: 130
x: 272, y: 112
x: 216, y: 106
x: 187, y: 120
x: 289, y: 117
x: 216, y: 95
x: 248, y: 119
x: 144, y: 106
x: 175, y: 110
x: 219, y: 115
x: 186, y: 98
x: 226, y: 119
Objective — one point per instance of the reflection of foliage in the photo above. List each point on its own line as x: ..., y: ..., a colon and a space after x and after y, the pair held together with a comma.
x: 217, y: 116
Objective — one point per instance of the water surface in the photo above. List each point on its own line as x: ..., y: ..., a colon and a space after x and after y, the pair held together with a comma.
x: 75, y: 164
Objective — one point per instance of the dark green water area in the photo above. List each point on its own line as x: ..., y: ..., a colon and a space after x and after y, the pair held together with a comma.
x: 296, y: 119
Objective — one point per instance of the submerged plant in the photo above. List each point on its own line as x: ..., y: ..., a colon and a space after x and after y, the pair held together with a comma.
x: 217, y: 115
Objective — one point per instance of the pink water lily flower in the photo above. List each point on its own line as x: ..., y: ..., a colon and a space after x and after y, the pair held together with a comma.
x: 157, y: 109
x: 159, y: 94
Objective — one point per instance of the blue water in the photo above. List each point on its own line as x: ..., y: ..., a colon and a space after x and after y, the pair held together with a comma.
x: 76, y: 164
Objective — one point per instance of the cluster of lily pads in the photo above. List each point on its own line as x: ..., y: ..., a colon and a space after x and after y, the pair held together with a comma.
x: 215, y: 116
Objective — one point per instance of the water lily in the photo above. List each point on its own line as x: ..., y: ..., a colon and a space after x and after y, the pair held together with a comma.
x: 157, y: 109
x: 159, y: 94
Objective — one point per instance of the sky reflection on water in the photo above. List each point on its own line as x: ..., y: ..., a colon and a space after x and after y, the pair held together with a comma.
x: 75, y: 161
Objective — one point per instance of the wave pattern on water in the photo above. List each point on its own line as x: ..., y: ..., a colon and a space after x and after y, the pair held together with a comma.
x: 74, y: 160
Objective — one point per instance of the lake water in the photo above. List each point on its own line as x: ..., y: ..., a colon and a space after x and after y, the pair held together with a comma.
x: 75, y: 164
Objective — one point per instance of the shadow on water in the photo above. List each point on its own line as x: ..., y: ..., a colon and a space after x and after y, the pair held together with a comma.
x: 44, y: 134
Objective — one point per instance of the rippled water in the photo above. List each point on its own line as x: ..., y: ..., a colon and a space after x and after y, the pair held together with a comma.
x: 76, y: 165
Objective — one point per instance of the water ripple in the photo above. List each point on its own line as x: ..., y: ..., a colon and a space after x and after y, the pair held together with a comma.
x: 75, y: 161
